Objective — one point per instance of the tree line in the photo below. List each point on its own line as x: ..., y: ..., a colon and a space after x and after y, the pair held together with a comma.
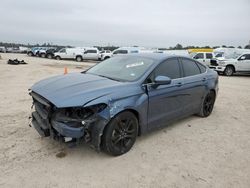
x: 111, y: 47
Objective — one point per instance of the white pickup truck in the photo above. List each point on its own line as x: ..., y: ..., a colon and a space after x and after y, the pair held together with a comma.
x: 90, y: 53
x: 237, y: 64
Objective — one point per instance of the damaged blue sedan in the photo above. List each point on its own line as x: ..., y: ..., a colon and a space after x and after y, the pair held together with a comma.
x: 123, y: 97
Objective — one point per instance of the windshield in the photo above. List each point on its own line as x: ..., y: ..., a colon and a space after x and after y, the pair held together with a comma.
x: 219, y: 55
x: 119, y: 68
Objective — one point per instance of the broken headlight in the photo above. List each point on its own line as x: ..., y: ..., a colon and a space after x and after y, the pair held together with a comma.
x: 76, y: 115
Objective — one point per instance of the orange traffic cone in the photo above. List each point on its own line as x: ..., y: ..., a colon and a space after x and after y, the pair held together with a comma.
x: 65, y: 70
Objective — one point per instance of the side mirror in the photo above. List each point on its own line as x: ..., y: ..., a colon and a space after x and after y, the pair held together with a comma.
x: 162, y: 80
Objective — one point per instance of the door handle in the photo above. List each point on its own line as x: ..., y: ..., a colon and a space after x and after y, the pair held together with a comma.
x: 204, y: 79
x: 179, y: 84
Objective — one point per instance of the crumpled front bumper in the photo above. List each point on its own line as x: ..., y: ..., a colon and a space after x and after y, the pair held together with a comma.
x: 46, y: 129
x: 67, y: 131
x: 46, y: 124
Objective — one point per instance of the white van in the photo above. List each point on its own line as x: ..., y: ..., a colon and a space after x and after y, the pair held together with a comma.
x: 68, y: 53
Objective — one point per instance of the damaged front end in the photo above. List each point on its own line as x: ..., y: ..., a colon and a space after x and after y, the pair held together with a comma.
x: 70, y: 124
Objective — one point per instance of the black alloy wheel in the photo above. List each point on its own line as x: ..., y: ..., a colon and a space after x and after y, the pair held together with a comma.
x: 120, y: 134
x: 208, y: 104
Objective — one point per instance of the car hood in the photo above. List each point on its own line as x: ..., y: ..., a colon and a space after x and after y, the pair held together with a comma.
x: 75, y: 89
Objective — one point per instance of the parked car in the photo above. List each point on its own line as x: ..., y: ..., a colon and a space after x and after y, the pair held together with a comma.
x: 113, y: 102
x: 236, y: 64
x: 68, y: 53
x: 105, y: 54
x: 50, y: 53
x: 89, y: 53
x: 42, y: 52
x: 34, y: 51
x: 2, y: 49
x: 203, y: 57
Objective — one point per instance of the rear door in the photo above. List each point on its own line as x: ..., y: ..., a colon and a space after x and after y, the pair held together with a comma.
x: 194, y: 85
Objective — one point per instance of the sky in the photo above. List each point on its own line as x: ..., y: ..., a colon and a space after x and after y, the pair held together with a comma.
x: 149, y: 23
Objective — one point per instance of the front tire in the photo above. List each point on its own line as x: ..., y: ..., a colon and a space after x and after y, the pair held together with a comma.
x: 58, y: 58
x: 43, y: 55
x: 207, y: 104
x: 50, y: 56
x: 30, y: 54
x: 229, y: 71
x: 120, y: 134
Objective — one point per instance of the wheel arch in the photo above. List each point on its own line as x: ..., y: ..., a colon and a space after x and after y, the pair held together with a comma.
x: 136, y: 113
x: 231, y: 65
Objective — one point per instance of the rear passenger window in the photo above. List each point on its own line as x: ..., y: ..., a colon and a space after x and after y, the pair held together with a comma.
x: 209, y: 56
x: 91, y: 52
x: 169, y: 68
x: 121, y: 52
x: 202, y: 67
x: 190, y: 67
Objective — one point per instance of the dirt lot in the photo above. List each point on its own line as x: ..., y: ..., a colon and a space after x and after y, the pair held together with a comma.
x: 194, y: 152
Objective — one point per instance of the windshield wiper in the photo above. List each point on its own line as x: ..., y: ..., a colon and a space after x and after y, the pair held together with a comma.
x: 109, y: 78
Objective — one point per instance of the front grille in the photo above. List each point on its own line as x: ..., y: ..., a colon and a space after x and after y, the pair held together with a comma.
x: 40, y: 117
x: 213, y: 62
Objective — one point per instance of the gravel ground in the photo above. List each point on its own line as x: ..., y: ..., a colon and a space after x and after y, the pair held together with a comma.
x: 193, y: 152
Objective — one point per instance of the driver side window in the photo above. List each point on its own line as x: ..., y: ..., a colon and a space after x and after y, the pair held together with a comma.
x: 169, y: 68
x: 245, y: 57
x: 63, y: 50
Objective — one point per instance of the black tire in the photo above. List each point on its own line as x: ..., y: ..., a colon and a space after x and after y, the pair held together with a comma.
x: 78, y: 58
x: 207, y: 104
x: 120, y: 134
x: 229, y: 71
x: 58, y: 58
x: 106, y: 57
x: 30, y: 54
x: 49, y: 56
x: 43, y: 55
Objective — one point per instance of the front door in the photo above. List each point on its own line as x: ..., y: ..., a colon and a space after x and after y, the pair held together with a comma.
x: 244, y: 63
x: 165, y: 100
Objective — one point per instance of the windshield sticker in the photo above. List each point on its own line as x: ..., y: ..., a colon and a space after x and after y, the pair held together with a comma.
x: 135, y: 64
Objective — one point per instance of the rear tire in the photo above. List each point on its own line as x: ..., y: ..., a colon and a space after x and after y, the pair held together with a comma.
x: 229, y: 71
x: 120, y: 134
x: 43, y: 55
x: 78, y: 58
x: 207, y: 104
